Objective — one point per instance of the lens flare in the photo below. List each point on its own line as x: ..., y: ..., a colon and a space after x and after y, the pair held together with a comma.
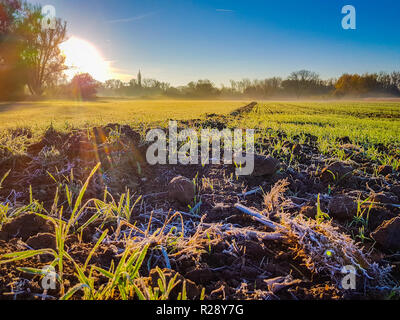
x: 82, y: 57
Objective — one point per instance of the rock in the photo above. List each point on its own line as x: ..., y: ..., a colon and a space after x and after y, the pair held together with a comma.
x: 388, y: 234
x: 25, y: 226
x: 342, y: 207
x: 336, y: 171
x: 42, y: 241
x: 182, y: 190
x: 385, y: 170
x: 192, y: 290
x: 265, y: 165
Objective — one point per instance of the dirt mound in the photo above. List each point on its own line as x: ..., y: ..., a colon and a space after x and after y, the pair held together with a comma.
x: 25, y: 226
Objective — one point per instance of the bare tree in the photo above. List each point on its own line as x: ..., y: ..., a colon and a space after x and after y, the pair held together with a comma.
x: 41, y: 54
x: 301, y: 81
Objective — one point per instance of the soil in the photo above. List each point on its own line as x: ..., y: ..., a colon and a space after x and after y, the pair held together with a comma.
x: 229, y: 267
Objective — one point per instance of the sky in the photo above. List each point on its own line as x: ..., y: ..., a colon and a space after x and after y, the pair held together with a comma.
x: 178, y: 41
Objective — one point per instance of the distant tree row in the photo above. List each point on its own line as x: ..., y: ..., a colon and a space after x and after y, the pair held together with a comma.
x: 368, y: 84
x: 298, y: 84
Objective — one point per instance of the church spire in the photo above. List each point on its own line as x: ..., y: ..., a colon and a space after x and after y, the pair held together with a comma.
x: 139, y: 79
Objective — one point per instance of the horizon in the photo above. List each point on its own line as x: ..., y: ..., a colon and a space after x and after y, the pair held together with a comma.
x: 224, y: 40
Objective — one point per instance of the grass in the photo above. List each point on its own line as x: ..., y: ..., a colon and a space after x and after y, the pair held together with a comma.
x: 64, y: 114
x: 122, y: 280
x: 374, y: 127
x: 362, y: 122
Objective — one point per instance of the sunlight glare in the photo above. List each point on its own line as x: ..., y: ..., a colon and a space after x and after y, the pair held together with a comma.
x: 82, y: 57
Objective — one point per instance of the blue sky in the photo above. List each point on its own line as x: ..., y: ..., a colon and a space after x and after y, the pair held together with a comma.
x: 182, y: 40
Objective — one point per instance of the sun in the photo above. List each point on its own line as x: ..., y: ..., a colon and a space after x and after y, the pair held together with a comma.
x: 82, y: 57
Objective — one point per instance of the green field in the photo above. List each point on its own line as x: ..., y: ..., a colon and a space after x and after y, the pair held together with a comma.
x: 368, y: 124
x: 64, y: 114
x: 376, y: 122
x: 362, y: 122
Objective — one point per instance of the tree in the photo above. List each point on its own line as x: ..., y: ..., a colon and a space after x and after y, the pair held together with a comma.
x: 12, y: 73
x: 7, y: 19
x: 360, y: 85
x: 113, y: 84
x: 83, y: 86
x: 201, y: 89
x: 41, y: 53
x: 301, y: 82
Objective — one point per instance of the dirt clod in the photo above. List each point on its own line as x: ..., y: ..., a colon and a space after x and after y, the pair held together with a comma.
x: 42, y: 241
x: 384, y: 170
x: 388, y: 234
x: 384, y: 197
x: 342, y: 207
x: 182, y: 190
x: 25, y: 226
x: 335, y: 172
x: 265, y: 165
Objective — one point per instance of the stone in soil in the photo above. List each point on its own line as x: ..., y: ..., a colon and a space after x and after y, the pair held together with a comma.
x: 335, y: 172
x: 182, y: 190
x: 388, y: 234
x: 342, y: 207
x: 265, y: 165
x: 25, y: 226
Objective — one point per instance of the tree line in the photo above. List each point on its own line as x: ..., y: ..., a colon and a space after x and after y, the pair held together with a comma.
x: 298, y: 84
x: 31, y: 61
